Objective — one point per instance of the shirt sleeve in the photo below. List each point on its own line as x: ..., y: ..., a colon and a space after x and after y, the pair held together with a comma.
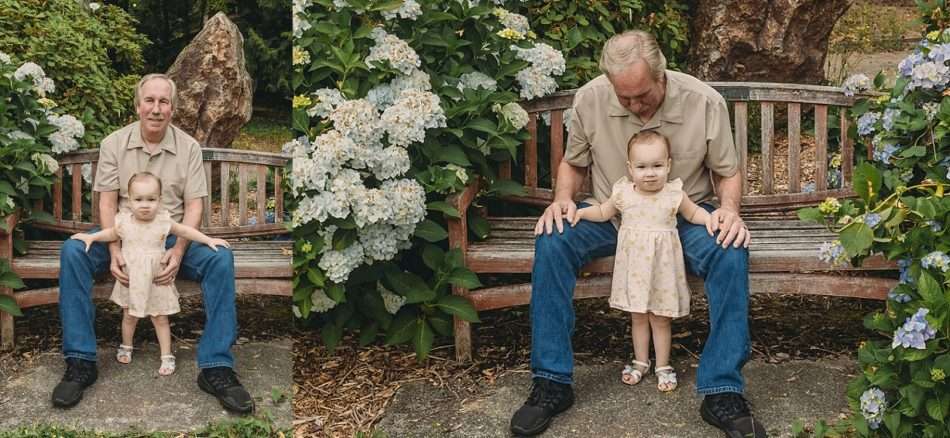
x: 577, y: 152
x: 722, y: 156
x: 107, y: 171
x: 195, y: 185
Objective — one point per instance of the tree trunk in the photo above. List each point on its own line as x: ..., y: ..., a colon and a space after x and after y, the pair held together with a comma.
x: 762, y: 40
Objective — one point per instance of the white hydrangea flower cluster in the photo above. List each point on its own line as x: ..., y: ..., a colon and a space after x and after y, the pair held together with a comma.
x: 326, y: 100
x: 410, y: 115
x: 409, y: 10
x: 511, y: 20
x: 321, y: 301
x: 391, y: 49
x: 45, y: 162
x: 383, y: 95
x: 513, y: 113
x: 391, y: 301
x: 4, y: 58
x: 339, y: 264
x: 65, y: 139
x: 41, y: 83
x: 476, y: 80
x: 537, y: 80
x: 300, y: 23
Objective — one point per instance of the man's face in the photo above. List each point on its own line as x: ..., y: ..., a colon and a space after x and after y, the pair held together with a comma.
x: 637, y: 91
x: 155, y: 106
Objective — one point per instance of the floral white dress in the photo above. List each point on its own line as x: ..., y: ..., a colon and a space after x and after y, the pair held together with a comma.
x: 649, y: 271
x: 143, y: 245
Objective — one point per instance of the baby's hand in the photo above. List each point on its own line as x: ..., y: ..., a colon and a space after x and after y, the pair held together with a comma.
x: 214, y: 243
x: 578, y: 216
x: 86, y: 238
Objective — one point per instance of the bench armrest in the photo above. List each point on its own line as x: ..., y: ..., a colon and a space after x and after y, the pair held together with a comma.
x: 458, y: 227
x: 6, y: 237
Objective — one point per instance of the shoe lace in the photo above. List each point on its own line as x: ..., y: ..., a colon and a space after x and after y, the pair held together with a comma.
x: 730, y: 406
x: 222, y: 377
x: 76, y: 371
x: 545, y: 394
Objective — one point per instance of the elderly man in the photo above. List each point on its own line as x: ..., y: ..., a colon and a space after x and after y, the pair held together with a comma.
x: 636, y: 93
x: 151, y: 144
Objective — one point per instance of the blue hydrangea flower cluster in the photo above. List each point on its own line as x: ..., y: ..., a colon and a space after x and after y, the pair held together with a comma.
x: 872, y: 219
x: 936, y: 259
x: 873, y: 404
x: 903, y: 265
x: 885, y: 153
x: 898, y: 296
x: 935, y: 226
x: 888, y: 120
x: 866, y: 123
x: 915, y: 332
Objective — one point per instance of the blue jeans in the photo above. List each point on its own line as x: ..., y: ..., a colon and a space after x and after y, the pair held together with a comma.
x: 214, y: 270
x: 558, y: 259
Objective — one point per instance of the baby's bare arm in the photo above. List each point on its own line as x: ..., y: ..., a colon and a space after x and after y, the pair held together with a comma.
x: 106, y: 235
x: 596, y: 213
x: 695, y: 214
x: 197, y: 236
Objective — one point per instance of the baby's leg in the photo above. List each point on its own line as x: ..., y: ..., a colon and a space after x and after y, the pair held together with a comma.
x: 640, y: 328
x: 164, y: 332
x: 124, y: 355
x: 666, y: 375
x: 661, y: 338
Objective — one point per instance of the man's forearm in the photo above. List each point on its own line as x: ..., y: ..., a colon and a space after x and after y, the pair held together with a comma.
x: 192, y: 218
x: 569, y: 180
x: 729, y: 190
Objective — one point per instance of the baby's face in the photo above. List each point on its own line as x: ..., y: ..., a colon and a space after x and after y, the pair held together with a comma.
x: 145, y: 198
x: 649, y: 166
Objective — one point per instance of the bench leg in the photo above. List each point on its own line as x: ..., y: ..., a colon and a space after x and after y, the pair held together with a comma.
x: 6, y: 325
x: 463, y: 332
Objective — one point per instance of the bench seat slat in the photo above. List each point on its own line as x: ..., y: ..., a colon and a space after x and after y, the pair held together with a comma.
x: 265, y: 259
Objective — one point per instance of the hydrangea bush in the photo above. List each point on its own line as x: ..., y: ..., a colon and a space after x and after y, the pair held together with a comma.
x: 902, y: 214
x: 398, y: 105
x: 31, y: 132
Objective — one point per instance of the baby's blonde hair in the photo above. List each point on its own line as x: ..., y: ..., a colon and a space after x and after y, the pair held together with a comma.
x: 145, y: 175
x: 647, y: 137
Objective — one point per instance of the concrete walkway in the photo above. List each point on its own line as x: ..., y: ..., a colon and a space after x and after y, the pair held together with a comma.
x: 135, y: 398
x: 781, y: 393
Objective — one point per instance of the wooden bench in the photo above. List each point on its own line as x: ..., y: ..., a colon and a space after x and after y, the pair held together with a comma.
x: 783, y: 254
x: 243, y: 178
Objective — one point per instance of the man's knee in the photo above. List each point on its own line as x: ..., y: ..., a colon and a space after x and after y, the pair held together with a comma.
x: 72, y: 250
x: 222, y: 260
x: 734, y: 259
x: 554, y: 243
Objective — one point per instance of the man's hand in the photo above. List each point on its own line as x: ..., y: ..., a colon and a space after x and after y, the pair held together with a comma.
x: 731, y: 227
x: 554, y: 215
x: 117, y: 264
x: 172, y: 261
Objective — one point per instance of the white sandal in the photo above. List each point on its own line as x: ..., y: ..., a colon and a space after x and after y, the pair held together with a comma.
x: 124, y: 354
x: 634, y: 374
x: 168, y: 365
x: 666, y: 377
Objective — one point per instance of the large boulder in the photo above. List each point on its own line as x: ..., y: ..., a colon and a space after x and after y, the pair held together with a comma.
x: 214, y: 88
x: 762, y: 40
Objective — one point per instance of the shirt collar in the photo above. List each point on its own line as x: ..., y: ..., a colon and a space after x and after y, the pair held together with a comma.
x: 671, y: 110
x: 167, y: 143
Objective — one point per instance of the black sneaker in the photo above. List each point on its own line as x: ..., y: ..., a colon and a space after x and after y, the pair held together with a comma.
x: 80, y: 374
x: 729, y: 412
x: 548, y: 398
x: 222, y: 383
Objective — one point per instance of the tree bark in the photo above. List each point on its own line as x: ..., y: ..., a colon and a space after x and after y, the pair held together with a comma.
x: 762, y: 40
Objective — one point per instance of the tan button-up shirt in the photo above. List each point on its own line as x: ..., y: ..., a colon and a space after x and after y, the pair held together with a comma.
x: 177, y: 162
x: 693, y: 116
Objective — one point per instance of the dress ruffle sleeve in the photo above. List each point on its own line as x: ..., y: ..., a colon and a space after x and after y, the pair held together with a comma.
x: 616, y: 194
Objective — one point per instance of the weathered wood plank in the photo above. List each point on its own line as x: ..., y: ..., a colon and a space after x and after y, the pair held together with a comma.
x: 242, y: 194
x: 794, y: 147
x: 58, y: 195
x: 261, y: 193
x: 557, y: 143
x: 76, y: 191
x: 821, y: 147
x: 225, y: 193
x: 768, y: 135
x: 742, y: 141
x: 531, y: 152
x: 847, y: 150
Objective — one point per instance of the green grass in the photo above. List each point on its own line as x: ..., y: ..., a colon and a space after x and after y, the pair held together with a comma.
x: 247, y: 427
x: 266, y: 132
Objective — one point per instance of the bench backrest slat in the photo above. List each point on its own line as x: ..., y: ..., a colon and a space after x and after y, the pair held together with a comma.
x: 794, y: 147
x: 767, y: 110
x: 768, y: 190
x: 83, y: 210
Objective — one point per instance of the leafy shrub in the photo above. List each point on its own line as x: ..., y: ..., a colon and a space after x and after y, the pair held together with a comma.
x: 94, y: 57
x: 30, y: 132
x: 903, y: 214
x: 400, y: 104
x: 580, y: 29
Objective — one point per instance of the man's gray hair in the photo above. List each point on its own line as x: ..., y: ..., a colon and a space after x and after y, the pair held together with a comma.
x: 150, y: 76
x: 623, y: 50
